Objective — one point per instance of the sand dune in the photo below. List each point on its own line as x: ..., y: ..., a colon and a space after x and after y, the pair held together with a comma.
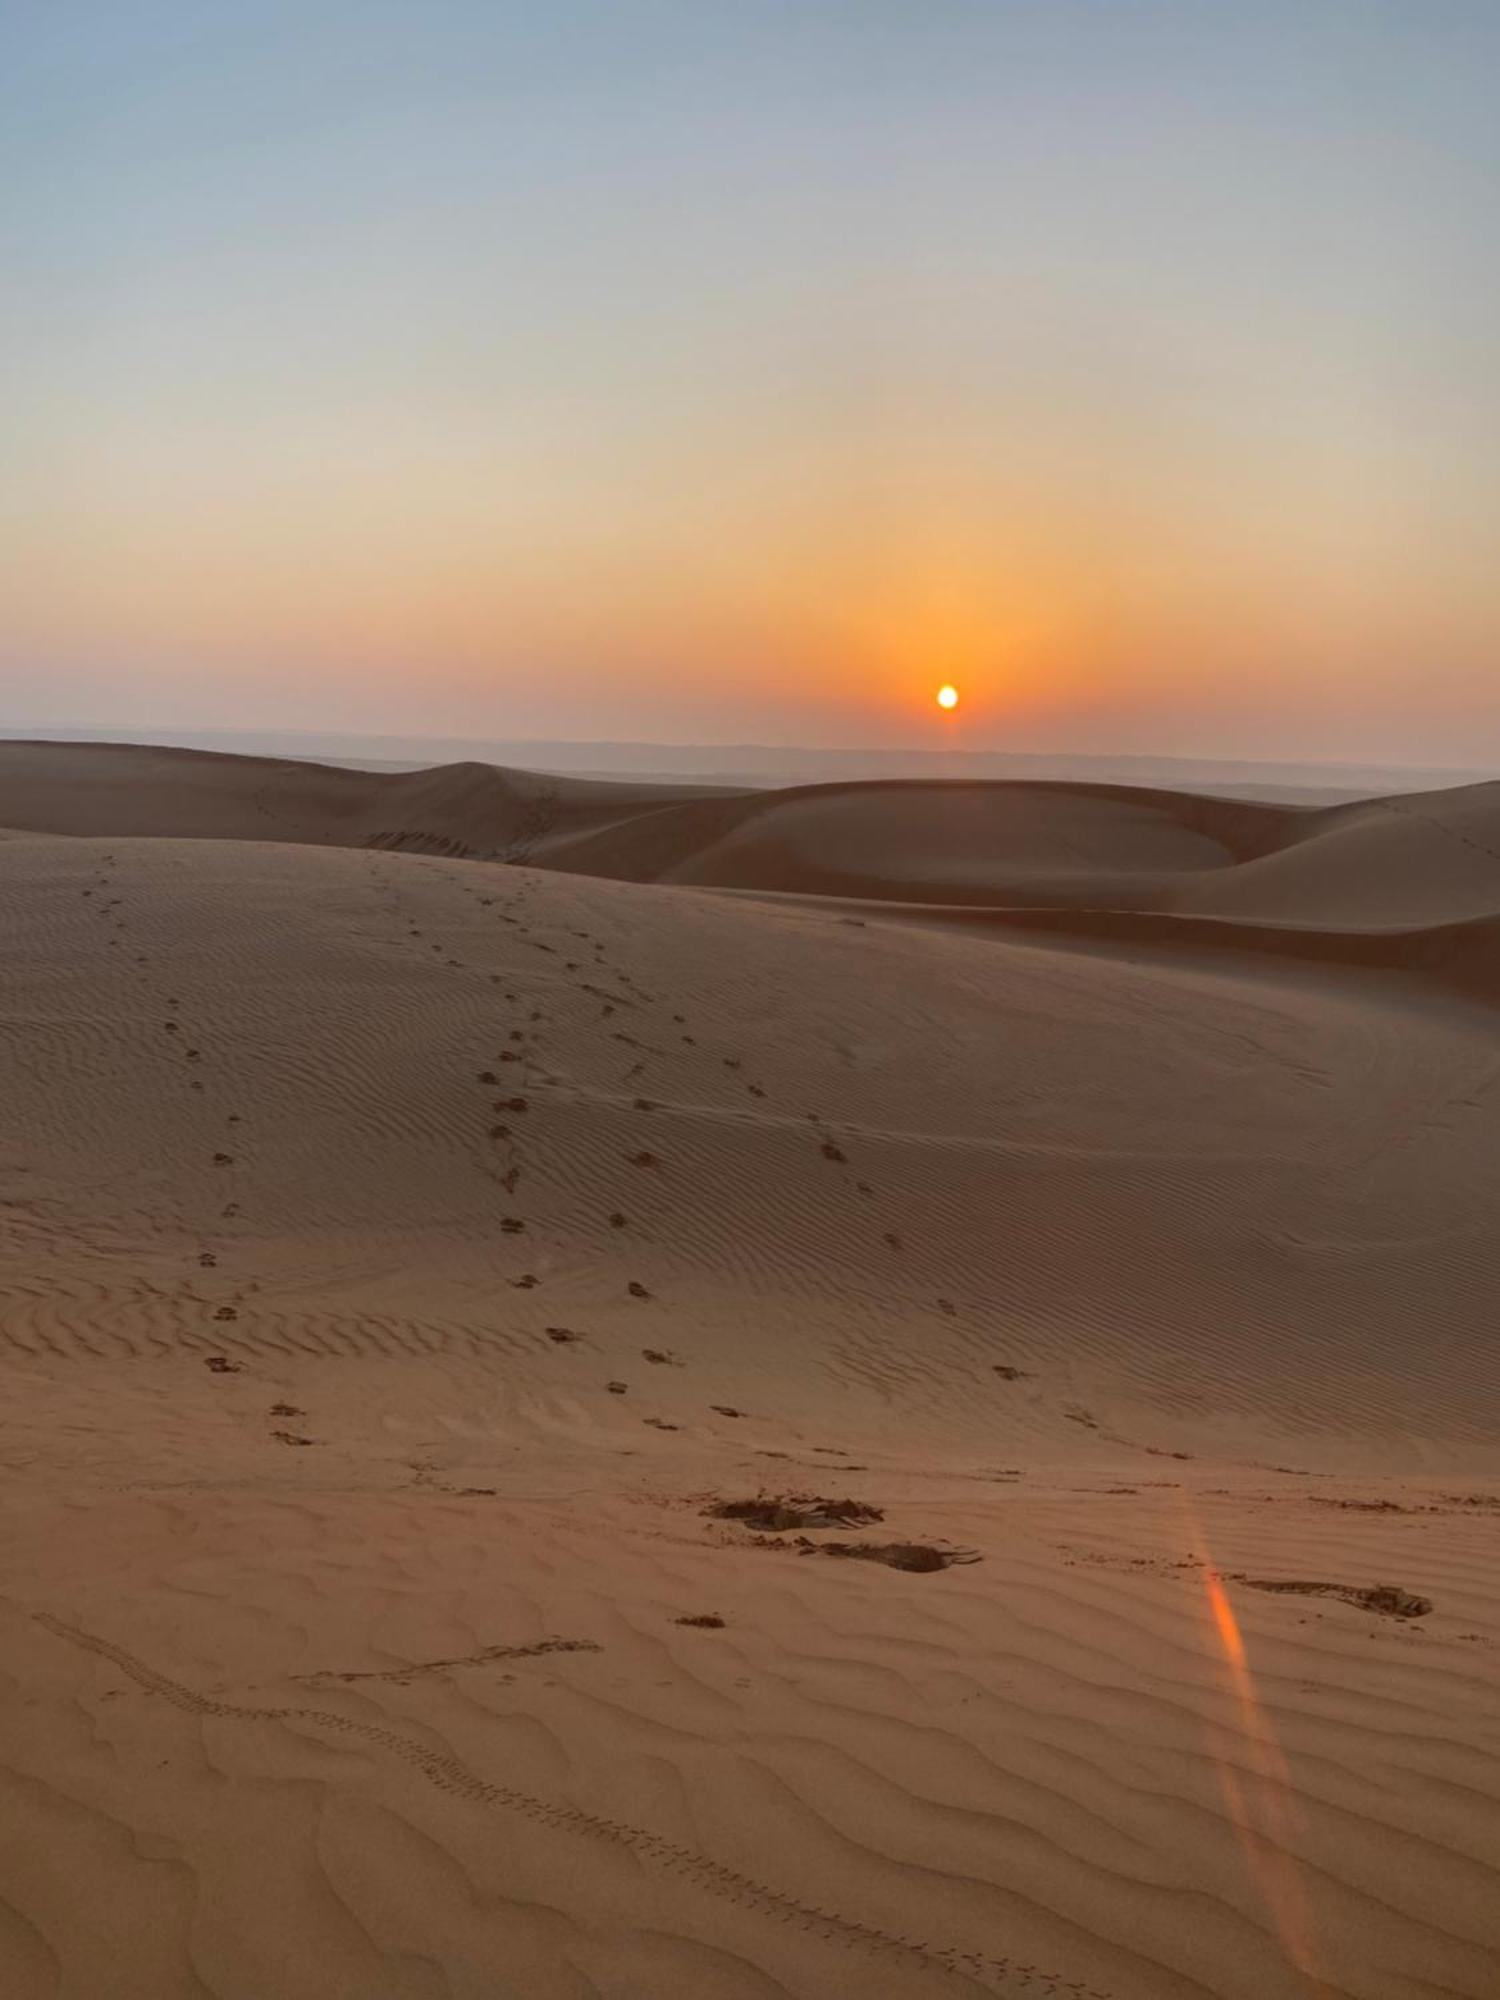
x: 1420, y: 860
x: 405, y: 1253
x: 460, y: 809
x: 1407, y: 884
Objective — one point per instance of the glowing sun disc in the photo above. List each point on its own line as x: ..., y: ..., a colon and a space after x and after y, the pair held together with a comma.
x: 947, y: 697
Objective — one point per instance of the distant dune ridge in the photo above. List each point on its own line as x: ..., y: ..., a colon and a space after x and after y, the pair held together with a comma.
x: 759, y: 765
x: 438, y: 1204
x: 1403, y: 881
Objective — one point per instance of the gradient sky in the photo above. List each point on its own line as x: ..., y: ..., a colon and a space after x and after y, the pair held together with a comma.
x: 740, y: 369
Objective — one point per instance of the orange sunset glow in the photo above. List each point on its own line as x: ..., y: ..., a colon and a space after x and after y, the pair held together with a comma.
x: 583, y: 419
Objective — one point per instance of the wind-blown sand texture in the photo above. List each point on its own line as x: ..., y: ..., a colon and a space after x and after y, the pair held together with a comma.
x: 405, y: 1252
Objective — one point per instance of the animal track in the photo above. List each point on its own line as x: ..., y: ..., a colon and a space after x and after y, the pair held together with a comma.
x: 402, y: 1676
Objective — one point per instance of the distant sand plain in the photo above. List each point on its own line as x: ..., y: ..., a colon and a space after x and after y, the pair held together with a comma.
x: 429, y: 1196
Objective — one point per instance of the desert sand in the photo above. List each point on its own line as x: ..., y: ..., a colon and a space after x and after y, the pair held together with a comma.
x: 429, y: 1196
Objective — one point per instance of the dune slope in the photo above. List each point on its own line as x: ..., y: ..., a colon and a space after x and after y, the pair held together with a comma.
x: 403, y: 1252
x: 460, y: 809
x: 1382, y: 866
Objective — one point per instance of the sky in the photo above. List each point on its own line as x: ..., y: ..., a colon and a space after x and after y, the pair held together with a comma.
x: 741, y: 370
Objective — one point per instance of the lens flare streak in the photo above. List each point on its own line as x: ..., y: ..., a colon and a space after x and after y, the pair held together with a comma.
x: 1264, y: 1812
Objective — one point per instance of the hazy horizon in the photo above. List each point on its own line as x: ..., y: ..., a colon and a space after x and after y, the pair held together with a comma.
x: 771, y: 765
x: 729, y: 374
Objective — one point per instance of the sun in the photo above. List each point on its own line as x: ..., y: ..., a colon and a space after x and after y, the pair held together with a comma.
x: 947, y: 697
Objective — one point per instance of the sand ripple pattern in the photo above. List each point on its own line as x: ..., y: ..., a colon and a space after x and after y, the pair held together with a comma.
x: 989, y: 1974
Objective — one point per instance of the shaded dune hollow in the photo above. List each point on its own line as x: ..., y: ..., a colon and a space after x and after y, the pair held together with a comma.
x: 630, y: 1390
